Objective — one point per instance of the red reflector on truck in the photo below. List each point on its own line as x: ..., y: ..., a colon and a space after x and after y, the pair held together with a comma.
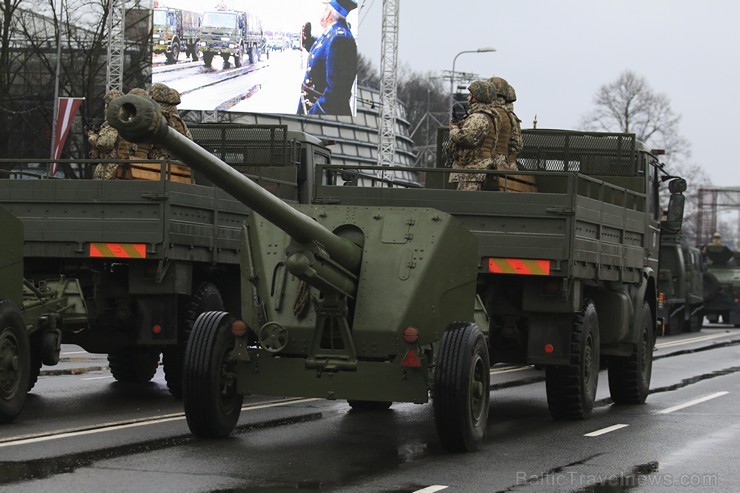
x: 411, y: 360
x: 118, y: 250
x: 528, y: 267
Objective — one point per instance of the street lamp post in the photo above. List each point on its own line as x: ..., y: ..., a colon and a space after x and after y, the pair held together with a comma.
x: 452, y: 75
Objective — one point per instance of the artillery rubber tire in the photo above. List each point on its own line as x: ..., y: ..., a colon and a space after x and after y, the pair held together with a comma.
x: 462, y: 388
x: 211, y: 403
x: 206, y: 298
x: 629, y: 377
x: 15, y: 357
x: 369, y: 405
x: 134, y: 364
x: 571, y: 389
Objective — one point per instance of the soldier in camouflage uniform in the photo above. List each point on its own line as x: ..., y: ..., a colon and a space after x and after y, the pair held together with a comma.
x: 506, y: 95
x: 473, y: 137
x: 107, y: 144
x: 141, y: 151
x: 168, y: 100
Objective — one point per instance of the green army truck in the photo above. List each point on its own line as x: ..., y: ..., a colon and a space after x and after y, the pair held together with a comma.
x: 151, y: 255
x: 32, y: 317
x: 722, y: 285
x: 387, y: 293
x: 680, y: 286
x: 230, y: 33
x: 175, y: 31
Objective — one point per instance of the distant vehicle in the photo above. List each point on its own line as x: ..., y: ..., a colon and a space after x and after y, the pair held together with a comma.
x: 722, y: 285
x: 230, y: 34
x: 175, y: 31
x: 680, y: 287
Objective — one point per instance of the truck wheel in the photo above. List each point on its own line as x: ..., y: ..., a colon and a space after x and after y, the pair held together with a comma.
x: 193, y: 53
x: 207, y: 59
x: 212, y: 405
x: 693, y: 324
x: 15, y: 357
x: 629, y: 377
x: 35, y: 360
x: 134, y: 364
x: 205, y: 299
x: 710, y: 286
x: 462, y: 388
x: 239, y: 56
x: 713, y: 318
x: 369, y: 405
x: 174, y: 52
x: 252, y: 55
x: 571, y: 389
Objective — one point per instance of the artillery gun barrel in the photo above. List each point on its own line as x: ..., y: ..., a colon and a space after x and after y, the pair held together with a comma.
x: 140, y: 120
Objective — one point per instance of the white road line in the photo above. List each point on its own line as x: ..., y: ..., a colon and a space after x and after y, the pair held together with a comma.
x: 431, y: 489
x: 692, y: 403
x: 98, y: 378
x: 122, y: 425
x: 690, y: 340
x: 509, y: 370
x: 74, y: 352
x: 606, y: 430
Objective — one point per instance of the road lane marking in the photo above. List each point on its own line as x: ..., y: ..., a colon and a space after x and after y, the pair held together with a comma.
x: 692, y: 403
x: 509, y: 369
x: 122, y: 425
x: 75, y: 352
x: 98, y: 378
x: 690, y: 340
x: 432, y: 489
x: 606, y: 430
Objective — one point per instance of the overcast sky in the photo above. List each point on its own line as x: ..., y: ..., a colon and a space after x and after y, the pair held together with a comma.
x: 557, y: 53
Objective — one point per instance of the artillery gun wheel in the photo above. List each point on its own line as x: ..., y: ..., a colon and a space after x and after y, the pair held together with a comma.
x: 629, y: 377
x: 205, y: 299
x: 134, y: 364
x: 15, y: 357
x: 571, y: 389
x: 369, y: 405
x: 462, y: 388
x: 212, y: 405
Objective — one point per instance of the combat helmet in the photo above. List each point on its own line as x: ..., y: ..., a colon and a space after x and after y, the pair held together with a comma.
x: 111, y: 95
x: 138, y: 91
x: 483, y: 91
x: 162, y: 93
x: 503, y: 89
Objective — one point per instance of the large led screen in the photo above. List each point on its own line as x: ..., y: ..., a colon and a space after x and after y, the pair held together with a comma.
x: 258, y: 56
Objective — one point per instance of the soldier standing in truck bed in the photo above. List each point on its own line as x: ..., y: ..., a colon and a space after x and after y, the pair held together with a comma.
x: 505, y: 97
x: 168, y: 100
x: 107, y: 144
x: 472, y: 138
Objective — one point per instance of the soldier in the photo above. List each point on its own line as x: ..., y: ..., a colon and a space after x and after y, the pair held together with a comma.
x: 473, y: 137
x: 332, y: 63
x: 168, y: 100
x: 141, y: 150
x: 107, y: 144
x: 506, y: 95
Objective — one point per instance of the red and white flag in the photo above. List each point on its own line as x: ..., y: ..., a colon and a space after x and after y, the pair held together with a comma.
x: 66, y: 111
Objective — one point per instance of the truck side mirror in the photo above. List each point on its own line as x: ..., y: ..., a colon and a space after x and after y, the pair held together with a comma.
x: 674, y: 215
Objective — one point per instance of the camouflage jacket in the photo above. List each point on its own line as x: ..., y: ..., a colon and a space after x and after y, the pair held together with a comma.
x: 516, y: 142
x: 472, y: 141
x: 175, y: 121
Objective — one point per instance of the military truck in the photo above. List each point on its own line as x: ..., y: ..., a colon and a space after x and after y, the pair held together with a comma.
x: 175, y: 31
x: 722, y: 285
x: 32, y: 317
x: 151, y: 255
x: 230, y: 34
x: 387, y: 294
x: 680, y: 286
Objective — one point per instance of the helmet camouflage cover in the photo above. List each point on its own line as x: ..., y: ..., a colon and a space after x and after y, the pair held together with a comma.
x: 503, y: 89
x: 111, y: 95
x: 483, y: 91
x: 138, y: 91
x: 163, y: 94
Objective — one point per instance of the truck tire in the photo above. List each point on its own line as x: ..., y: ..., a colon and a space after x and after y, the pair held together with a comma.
x: 710, y: 286
x: 629, y: 377
x: 239, y: 56
x: 212, y: 405
x: 134, y: 364
x: 35, y: 361
x: 462, y: 388
x: 193, y: 50
x: 571, y: 389
x: 207, y: 59
x: 206, y: 298
x: 252, y: 54
x: 15, y: 357
x: 174, y: 52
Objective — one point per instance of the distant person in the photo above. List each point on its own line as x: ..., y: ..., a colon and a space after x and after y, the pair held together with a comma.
x: 107, y: 144
x: 331, y: 71
x: 472, y: 138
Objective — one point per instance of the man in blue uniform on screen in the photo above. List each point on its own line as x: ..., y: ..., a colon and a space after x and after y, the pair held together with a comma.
x: 326, y: 88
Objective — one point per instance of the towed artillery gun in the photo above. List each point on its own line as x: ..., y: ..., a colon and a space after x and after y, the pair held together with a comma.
x: 371, y: 304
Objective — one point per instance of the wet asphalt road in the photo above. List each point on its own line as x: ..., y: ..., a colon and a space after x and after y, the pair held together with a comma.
x: 81, y: 431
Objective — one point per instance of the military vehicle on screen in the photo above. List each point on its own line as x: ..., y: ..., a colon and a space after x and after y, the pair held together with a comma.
x: 386, y: 294
x: 32, y: 317
x: 680, y: 286
x: 175, y: 31
x: 229, y: 33
x: 722, y: 285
